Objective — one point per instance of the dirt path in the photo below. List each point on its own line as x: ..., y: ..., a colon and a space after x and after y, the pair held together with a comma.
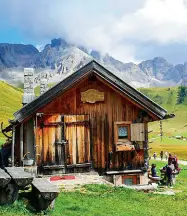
x: 164, y: 160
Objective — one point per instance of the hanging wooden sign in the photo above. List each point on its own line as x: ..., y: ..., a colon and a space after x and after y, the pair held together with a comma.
x: 92, y: 96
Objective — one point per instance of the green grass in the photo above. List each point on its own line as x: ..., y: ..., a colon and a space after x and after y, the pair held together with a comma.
x: 10, y: 101
x: 103, y: 200
x: 167, y: 98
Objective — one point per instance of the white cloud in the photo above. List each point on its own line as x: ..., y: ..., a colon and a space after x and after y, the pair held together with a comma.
x: 163, y: 21
x: 117, y: 27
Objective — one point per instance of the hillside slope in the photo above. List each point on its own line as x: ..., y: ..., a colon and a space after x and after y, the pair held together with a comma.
x: 167, y: 98
x: 10, y: 101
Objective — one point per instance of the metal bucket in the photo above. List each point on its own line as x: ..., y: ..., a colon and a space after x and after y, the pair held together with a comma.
x: 27, y: 161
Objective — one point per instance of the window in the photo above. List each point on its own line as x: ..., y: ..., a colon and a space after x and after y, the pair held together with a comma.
x: 129, y: 180
x: 121, y: 132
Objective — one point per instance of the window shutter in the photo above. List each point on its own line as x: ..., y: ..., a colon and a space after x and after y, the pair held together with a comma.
x: 138, y: 132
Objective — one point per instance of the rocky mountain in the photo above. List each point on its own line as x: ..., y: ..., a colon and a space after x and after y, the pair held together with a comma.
x: 59, y: 59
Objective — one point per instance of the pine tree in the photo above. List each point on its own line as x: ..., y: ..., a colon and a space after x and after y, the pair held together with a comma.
x: 182, y: 93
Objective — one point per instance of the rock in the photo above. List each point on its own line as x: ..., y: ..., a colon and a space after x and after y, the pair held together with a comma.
x: 171, y: 193
x: 151, y: 187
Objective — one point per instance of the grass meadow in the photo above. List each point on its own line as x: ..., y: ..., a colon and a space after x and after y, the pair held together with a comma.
x: 167, y: 97
x: 10, y: 101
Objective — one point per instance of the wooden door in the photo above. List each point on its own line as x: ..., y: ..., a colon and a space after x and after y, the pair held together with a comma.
x: 50, y: 145
x: 77, y: 135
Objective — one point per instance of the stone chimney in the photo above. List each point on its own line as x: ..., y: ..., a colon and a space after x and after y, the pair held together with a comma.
x: 28, y: 95
x: 43, y: 86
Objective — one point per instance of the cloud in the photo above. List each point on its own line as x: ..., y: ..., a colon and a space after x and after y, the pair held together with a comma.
x: 163, y: 21
x: 117, y: 27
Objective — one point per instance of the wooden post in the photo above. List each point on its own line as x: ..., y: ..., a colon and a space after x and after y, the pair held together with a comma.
x: 34, y: 138
x: 13, y: 144
x: 161, y: 131
x: 146, y: 146
x: 21, y: 144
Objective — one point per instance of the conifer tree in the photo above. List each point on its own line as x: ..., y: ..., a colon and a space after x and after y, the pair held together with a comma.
x: 182, y: 93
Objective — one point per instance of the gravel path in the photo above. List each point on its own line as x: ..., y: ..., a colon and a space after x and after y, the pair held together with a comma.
x: 179, y: 161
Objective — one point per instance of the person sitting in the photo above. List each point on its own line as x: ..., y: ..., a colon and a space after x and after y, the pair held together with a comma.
x: 153, y: 170
x: 153, y: 178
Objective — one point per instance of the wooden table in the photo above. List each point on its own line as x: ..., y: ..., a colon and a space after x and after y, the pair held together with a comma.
x: 19, y: 176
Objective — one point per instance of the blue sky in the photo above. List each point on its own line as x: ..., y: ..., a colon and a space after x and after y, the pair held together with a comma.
x: 133, y: 30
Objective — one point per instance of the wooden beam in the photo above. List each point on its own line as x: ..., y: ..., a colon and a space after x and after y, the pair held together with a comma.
x: 21, y: 144
x: 34, y: 138
x: 13, y: 144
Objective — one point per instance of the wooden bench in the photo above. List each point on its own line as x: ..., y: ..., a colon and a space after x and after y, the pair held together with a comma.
x: 154, y: 179
x: 44, y: 193
x: 8, y: 193
x: 11, y: 180
x: 14, y: 178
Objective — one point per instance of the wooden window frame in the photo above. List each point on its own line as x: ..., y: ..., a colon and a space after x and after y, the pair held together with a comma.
x: 124, y: 124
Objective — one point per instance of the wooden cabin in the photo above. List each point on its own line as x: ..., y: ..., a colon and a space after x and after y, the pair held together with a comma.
x: 91, y: 120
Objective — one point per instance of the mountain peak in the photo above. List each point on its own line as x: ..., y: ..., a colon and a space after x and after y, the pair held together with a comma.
x: 58, y: 42
x: 159, y: 59
x: 95, y: 54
